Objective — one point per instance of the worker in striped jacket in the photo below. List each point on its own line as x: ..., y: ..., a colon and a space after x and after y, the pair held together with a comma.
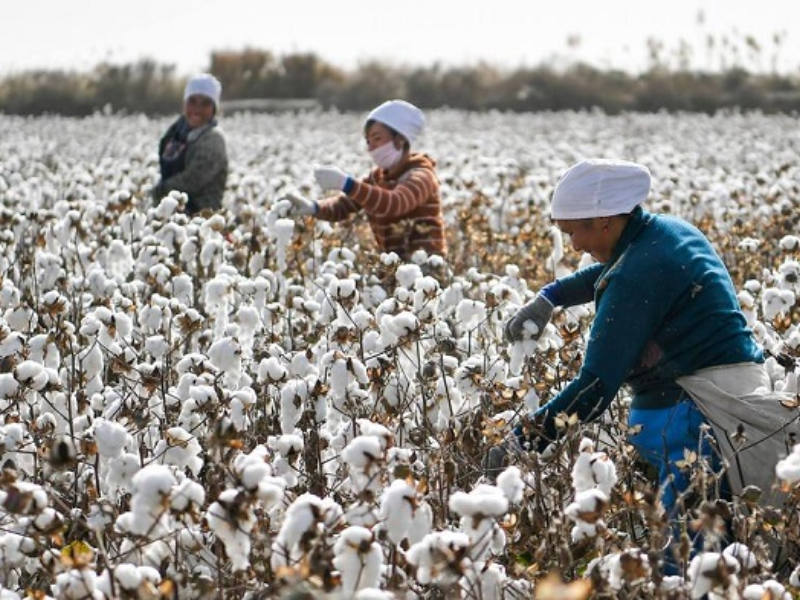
x: 400, y: 196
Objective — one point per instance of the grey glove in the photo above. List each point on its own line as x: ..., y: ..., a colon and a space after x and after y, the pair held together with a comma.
x: 538, y: 311
x: 300, y: 205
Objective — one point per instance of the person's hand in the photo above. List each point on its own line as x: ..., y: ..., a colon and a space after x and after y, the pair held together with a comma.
x: 515, y: 445
x: 331, y: 178
x: 529, y: 321
x: 301, y: 205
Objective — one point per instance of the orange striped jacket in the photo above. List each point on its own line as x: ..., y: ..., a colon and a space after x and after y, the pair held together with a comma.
x: 402, y: 205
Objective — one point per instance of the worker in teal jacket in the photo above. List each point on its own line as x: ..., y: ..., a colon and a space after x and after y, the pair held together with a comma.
x: 665, y: 307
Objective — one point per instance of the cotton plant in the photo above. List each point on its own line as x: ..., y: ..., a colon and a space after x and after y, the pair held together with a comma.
x: 441, y: 558
x: 359, y: 559
x: 17, y: 448
x: 218, y: 298
x: 425, y: 301
x: 446, y: 402
x: 308, y: 521
x: 480, y: 511
x: 296, y: 395
x: 777, y: 302
x: 347, y: 378
x: 629, y: 567
x: 593, y: 477
x: 149, y: 505
x: 136, y: 581
x: 404, y: 513
x: 226, y: 355
x: 118, y: 460
x: 714, y: 575
x: 788, y: 469
x: 365, y: 457
x: 232, y: 516
x: 180, y: 449
x: 770, y: 589
x: 288, y: 449
x: 478, y: 372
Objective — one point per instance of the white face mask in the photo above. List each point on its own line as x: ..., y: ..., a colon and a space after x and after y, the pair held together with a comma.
x: 386, y: 156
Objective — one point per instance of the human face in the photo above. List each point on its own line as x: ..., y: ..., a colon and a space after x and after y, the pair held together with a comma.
x: 198, y: 110
x: 378, y: 134
x: 594, y: 236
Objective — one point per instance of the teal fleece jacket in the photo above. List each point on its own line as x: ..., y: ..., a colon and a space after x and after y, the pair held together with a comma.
x: 665, y: 306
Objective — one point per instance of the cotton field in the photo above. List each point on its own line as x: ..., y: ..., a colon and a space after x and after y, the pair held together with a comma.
x: 250, y: 406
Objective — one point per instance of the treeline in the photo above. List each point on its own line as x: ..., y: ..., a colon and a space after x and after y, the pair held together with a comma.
x: 155, y: 89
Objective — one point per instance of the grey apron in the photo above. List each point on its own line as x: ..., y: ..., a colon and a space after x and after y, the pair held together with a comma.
x: 752, y: 423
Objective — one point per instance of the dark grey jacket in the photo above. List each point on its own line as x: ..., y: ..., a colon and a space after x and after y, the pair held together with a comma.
x: 203, y: 179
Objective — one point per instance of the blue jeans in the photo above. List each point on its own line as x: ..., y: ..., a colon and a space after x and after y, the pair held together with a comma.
x: 665, y: 435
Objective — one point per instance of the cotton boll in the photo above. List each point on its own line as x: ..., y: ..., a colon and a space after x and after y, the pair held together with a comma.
x: 111, y: 438
x: 593, y: 470
x: 776, y: 302
x: 586, y: 510
x: 407, y: 274
x: 180, y: 449
x: 187, y: 496
x: 31, y: 375
x: 226, y: 355
x: 788, y: 469
x: 789, y: 243
x: 232, y: 521
x: 270, y: 370
x: 294, y: 394
x: 712, y: 572
x: 76, y: 584
x: 283, y: 231
x: 397, y: 509
x: 769, y: 590
x: 304, y: 520
x: 440, y: 557
x: 485, y: 500
x: 156, y: 345
x: 743, y: 554
x: 421, y: 524
x: 511, y: 484
x: 358, y: 558
x: 363, y: 453
x: 21, y: 318
x: 470, y: 314
x: 151, y: 489
x: 518, y: 351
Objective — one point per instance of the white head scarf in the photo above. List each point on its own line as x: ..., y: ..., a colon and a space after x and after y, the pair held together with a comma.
x: 600, y: 187
x: 204, y: 84
x: 405, y: 118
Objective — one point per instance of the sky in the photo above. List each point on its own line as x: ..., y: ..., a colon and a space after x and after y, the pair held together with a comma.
x: 79, y: 34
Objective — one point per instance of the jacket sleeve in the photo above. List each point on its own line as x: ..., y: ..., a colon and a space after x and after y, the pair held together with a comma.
x: 413, y: 190
x: 336, y: 208
x: 578, y: 287
x: 204, y: 160
x: 626, y: 318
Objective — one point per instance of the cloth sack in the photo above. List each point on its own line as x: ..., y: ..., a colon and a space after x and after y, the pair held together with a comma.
x: 752, y: 423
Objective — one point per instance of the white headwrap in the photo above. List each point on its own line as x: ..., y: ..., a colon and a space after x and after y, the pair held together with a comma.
x: 600, y: 187
x: 204, y: 84
x: 405, y: 118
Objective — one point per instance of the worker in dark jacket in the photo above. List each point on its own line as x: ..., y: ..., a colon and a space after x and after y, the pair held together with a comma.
x: 666, y: 308
x: 192, y: 155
